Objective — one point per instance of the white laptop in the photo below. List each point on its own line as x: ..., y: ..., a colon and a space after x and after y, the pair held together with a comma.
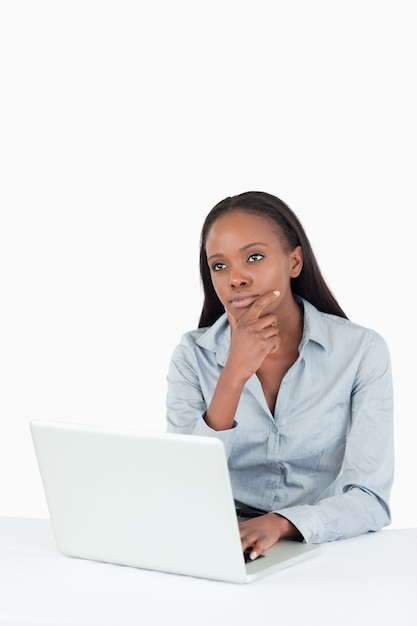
x: 157, y: 501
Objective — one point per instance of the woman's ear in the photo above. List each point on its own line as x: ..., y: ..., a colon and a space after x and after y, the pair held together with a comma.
x: 296, y: 262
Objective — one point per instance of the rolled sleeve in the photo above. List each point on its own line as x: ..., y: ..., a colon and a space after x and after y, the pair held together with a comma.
x: 186, y: 403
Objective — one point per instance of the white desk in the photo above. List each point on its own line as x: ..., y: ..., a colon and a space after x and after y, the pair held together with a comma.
x: 370, y: 580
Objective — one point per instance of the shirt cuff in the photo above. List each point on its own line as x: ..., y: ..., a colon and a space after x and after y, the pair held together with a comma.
x: 306, y: 523
x: 226, y: 436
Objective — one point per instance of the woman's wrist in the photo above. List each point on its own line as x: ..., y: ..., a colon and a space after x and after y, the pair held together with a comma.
x: 287, y: 530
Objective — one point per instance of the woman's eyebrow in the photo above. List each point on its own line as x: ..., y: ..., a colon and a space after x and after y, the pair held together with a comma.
x: 242, y: 249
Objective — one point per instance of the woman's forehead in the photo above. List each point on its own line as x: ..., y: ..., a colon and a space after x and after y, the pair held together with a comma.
x: 241, y: 221
x: 240, y: 228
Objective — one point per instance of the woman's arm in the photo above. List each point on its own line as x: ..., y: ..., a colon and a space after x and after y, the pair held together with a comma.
x: 360, y: 503
x: 252, y: 339
x: 362, y: 489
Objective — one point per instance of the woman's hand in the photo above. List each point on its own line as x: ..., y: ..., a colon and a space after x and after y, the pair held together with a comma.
x: 253, y: 337
x: 261, y: 533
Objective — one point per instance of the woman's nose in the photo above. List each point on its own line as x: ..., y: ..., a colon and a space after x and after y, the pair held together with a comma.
x: 237, y: 283
x: 238, y: 280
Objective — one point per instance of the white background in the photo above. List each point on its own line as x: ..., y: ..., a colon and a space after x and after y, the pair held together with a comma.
x: 122, y: 124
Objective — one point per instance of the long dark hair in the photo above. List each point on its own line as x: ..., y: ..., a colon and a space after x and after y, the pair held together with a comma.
x: 310, y: 283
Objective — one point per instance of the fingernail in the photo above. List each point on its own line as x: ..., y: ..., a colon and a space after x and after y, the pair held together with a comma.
x: 253, y: 555
x: 276, y: 293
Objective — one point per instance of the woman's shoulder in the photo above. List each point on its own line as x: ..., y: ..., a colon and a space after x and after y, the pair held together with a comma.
x: 209, y: 337
x: 340, y: 329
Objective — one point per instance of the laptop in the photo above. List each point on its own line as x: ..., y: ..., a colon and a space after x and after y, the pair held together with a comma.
x: 157, y: 501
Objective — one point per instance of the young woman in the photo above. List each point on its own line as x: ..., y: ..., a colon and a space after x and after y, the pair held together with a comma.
x: 300, y: 396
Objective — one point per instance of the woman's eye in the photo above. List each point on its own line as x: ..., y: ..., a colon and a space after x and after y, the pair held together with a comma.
x: 256, y: 256
x: 216, y: 267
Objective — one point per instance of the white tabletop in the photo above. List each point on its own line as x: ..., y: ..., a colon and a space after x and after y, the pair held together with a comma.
x: 369, y: 580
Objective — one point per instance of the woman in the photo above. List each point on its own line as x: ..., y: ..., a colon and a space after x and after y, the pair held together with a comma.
x: 300, y: 396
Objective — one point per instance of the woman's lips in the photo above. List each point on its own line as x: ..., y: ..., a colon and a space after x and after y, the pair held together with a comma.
x: 241, y: 302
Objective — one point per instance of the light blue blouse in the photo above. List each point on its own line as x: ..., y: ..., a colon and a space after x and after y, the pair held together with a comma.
x: 325, y: 459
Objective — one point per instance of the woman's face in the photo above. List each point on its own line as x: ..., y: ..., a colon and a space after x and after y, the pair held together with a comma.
x: 246, y: 260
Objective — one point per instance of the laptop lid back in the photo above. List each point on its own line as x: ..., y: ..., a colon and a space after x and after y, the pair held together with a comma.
x: 158, y: 501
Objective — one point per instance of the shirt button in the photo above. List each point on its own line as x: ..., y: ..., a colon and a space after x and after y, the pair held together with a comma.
x: 274, y: 430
